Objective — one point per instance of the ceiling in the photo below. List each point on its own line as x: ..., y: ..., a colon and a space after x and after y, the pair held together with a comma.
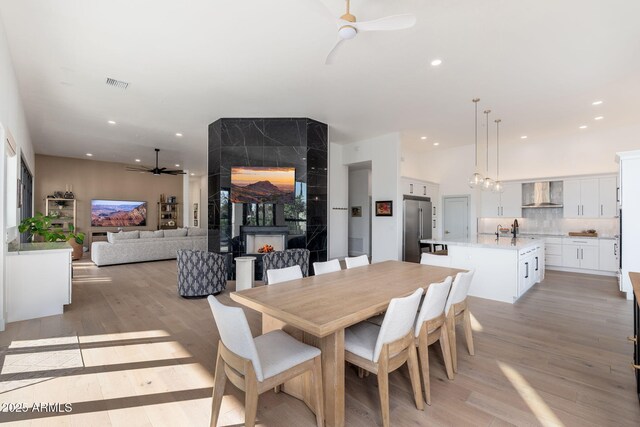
x: 538, y: 65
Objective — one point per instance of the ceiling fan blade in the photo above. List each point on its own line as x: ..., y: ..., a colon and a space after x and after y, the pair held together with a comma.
x: 332, y: 55
x: 140, y: 169
x: 161, y: 169
x: 176, y: 172
x: 389, y: 23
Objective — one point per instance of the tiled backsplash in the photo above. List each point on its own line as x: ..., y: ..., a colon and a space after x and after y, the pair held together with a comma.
x: 546, y: 221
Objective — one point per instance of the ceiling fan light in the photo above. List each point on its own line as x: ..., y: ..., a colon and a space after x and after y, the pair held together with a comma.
x: 347, y: 32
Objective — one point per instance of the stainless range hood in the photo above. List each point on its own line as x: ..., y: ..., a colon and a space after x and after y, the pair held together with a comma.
x: 538, y: 195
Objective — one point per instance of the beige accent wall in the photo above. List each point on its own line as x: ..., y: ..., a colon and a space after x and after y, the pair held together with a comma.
x: 93, y: 179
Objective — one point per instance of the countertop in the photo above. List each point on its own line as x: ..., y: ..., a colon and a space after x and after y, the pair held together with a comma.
x: 17, y: 248
x: 489, y: 241
x: 542, y: 236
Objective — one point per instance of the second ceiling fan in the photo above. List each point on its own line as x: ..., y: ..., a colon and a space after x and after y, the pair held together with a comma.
x: 157, y: 170
x: 349, y: 27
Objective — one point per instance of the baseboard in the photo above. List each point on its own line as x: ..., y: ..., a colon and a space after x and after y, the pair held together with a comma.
x: 2, y: 325
x: 582, y: 271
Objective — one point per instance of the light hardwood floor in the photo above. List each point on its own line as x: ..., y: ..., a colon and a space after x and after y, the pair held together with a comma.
x: 558, y: 357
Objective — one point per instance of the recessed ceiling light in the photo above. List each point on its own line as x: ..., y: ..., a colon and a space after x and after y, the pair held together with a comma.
x: 436, y: 143
x: 111, y: 122
x: 436, y: 62
x: 423, y: 138
x: 596, y: 103
x: 89, y: 155
x: 138, y: 160
x: 178, y: 134
x: 524, y: 137
x: 193, y: 174
x: 177, y: 165
x: 583, y: 127
x: 598, y: 118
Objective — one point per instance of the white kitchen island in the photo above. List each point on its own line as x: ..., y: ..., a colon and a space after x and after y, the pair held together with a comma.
x: 505, y: 268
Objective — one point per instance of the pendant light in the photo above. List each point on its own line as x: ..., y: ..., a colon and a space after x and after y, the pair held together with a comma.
x: 488, y: 183
x: 498, y: 187
x: 476, y: 179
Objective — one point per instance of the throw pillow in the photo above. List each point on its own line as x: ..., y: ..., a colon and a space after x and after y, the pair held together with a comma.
x: 123, y: 235
x: 180, y: 232
x: 196, y: 232
x: 152, y: 234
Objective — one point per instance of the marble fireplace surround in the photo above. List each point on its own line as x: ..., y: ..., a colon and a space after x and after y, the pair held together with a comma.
x: 301, y: 143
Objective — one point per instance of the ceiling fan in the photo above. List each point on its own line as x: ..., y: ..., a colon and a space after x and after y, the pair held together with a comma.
x: 156, y: 170
x: 348, y: 27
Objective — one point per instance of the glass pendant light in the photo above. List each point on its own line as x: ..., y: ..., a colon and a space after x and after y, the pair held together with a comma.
x: 498, y: 187
x: 476, y: 179
x: 488, y: 183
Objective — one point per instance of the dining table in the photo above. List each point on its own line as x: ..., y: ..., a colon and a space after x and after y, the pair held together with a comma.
x: 318, y: 309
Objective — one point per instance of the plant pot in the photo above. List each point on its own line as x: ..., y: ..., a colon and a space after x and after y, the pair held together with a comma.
x: 77, y: 250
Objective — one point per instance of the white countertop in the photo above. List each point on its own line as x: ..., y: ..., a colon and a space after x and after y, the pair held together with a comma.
x: 542, y: 236
x: 18, y: 248
x: 489, y: 241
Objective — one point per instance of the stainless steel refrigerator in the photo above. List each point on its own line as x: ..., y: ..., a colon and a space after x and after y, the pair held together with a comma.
x: 416, y: 226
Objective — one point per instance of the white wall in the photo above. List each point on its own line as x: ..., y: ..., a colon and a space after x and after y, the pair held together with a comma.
x: 359, y: 192
x: 384, y: 154
x: 12, y: 117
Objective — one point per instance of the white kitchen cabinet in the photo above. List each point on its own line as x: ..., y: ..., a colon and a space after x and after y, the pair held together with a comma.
x: 608, y: 197
x: 609, y: 255
x: 538, y: 264
x: 526, y: 270
x: 580, y: 253
x: 415, y: 187
x: 581, y: 198
x: 553, y: 251
x: 507, y: 204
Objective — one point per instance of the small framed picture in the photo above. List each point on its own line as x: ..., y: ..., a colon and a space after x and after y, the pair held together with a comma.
x: 356, y: 211
x: 384, y: 208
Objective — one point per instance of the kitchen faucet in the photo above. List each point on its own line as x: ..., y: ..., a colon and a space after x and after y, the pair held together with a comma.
x: 498, y: 231
x: 514, y: 228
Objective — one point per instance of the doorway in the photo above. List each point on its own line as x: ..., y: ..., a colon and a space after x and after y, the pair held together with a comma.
x: 359, y: 213
x: 456, y: 217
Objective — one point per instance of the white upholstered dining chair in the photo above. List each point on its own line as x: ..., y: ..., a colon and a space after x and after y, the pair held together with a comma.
x: 383, y: 349
x: 457, y: 311
x: 430, y: 328
x: 257, y: 365
x: 356, y: 261
x: 437, y: 260
x: 279, y: 275
x: 326, y: 267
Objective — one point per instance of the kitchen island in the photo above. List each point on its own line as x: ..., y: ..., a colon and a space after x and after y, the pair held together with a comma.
x: 505, y: 268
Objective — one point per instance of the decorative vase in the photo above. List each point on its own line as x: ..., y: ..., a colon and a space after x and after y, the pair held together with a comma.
x: 77, y: 250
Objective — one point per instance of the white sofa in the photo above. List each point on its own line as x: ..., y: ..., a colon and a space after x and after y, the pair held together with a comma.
x: 141, y: 246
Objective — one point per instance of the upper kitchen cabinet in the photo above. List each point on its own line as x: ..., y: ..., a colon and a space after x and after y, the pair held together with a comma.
x: 506, y: 204
x: 608, y: 197
x: 590, y: 198
x: 581, y: 198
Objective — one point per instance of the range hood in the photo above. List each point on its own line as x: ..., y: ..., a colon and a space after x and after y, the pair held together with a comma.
x: 541, y: 196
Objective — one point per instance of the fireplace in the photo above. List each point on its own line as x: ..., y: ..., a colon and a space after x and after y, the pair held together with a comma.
x: 256, y: 237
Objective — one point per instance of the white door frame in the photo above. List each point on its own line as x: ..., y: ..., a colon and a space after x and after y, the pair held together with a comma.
x: 444, y: 210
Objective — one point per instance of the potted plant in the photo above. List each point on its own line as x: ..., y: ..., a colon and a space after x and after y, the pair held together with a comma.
x: 41, y: 225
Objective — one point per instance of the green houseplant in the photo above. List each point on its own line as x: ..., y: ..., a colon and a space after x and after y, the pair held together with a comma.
x: 41, y: 225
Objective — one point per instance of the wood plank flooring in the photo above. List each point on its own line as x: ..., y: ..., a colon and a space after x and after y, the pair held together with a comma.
x: 558, y: 357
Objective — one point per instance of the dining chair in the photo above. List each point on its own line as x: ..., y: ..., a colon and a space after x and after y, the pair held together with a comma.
x: 457, y: 311
x: 430, y: 328
x: 356, y: 261
x: 255, y: 365
x: 383, y: 349
x: 433, y: 259
x: 326, y: 267
x: 280, y: 275
x: 286, y: 258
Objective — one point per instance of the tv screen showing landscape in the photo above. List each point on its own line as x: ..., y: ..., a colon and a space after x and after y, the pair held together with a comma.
x: 118, y: 213
x: 262, y: 185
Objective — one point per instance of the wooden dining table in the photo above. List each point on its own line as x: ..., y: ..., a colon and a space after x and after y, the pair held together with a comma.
x: 318, y: 309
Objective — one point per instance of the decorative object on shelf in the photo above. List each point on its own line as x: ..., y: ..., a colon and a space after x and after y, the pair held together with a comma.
x: 68, y: 193
x: 356, y: 211
x: 498, y: 186
x: 476, y: 179
x: 168, y: 212
x: 58, y: 195
x: 384, y: 208
x: 488, y: 183
x: 62, y: 211
x: 43, y: 226
x: 265, y: 249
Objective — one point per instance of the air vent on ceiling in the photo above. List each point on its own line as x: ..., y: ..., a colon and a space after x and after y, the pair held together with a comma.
x: 117, y: 83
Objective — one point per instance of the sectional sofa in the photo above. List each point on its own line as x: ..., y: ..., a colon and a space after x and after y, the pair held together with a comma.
x: 139, y: 246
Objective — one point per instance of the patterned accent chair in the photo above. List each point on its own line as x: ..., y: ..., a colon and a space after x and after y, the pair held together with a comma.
x: 201, y: 273
x: 286, y: 258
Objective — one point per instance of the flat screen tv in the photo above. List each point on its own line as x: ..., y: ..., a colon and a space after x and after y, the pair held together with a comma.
x: 118, y: 213
x: 262, y: 185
